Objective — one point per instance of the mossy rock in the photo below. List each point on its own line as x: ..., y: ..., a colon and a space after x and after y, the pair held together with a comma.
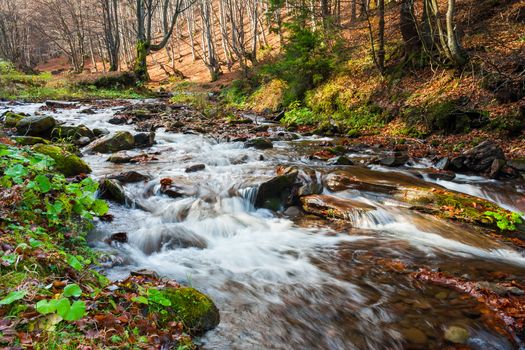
x: 72, y: 132
x: 10, y: 119
x: 120, y: 141
x: 196, y: 311
x: 65, y: 162
x: 30, y: 140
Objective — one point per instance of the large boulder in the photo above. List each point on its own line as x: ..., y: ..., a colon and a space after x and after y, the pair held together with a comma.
x: 119, y: 141
x: 65, y: 162
x: 331, y: 207
x: 272, y: 193
x: 130, y: 177
x: 195, y: 310
x: 344, y: 180
x: 480, y: 159
x: 38, y: 125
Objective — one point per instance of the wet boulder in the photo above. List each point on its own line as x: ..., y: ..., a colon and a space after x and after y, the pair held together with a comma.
x: 442, y: 175
x: 144, y: 140
x: 331, y: 207
x: 518, y: 164
x: 130, y: 177
x: 72, y: 132
x: 99, y: 132
x: 112, y: 189
x: 119, y: 141
x: 11, y: 119
x: 38, y: 125
x: 345, y: 180
x: 30, y: 140
x: 480, y: 159
x: 272, y: 193
x: 170, y: 189
x: 259, y: 143
x: 341, y: 160
x: 65, y: 162
x: 195, y: 310
x: 196, y: 167
x: 119, y: 237
x: 122, y: 157
x: 395, y: 159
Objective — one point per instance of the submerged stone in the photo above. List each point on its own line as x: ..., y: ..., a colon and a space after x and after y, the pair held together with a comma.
x: 456, y: 335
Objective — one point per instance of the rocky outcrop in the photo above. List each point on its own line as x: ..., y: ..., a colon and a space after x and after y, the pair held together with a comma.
x: 65, y: 162
x: 38, y: 125
x: 119, y: 141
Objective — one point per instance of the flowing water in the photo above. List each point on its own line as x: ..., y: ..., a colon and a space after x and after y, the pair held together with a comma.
x: 300, y: 283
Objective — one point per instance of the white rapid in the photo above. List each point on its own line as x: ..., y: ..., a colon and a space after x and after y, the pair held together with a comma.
x: 284, y: 284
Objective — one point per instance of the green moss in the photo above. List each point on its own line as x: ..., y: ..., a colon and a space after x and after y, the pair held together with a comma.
x: 194, y: 309
x: 65, y: 162
x: 30, y: 140
x: 10, y: 119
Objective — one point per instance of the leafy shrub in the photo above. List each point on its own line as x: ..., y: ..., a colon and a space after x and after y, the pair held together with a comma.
x: 299, y: 115
x: 6, y: 67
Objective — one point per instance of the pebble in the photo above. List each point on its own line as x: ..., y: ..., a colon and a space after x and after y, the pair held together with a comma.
x: 414, y: 336
x: 456, y: 335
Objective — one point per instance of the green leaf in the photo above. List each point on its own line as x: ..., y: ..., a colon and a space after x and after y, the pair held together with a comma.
x: 35, y: 243
x: 72, y: 290
x: 44, y: 185
x: 63, y: 305
x: 16, y: 172
x: 75, y: 312
x: 74, y: 263
x: 12, y: 297
x: 141, y: 300
x: 100, y: 207
x: 46, y: 306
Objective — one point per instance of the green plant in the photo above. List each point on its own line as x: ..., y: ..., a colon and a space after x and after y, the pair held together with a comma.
x: 505, y: 221
x: 299, y: 115
x: 63, y: 306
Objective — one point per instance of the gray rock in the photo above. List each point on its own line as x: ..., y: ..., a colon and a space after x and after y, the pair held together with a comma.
x: 196, y: 167
x: 396, y: 159
x: 443, y: 164
x: 112, y: 190
x: 35, y: 126
x: 273, y: 192
x: 100, y: 132
x: 130, y: 177
x: 496, y: 166
x: 259, y: 143
x: 121, y: 140
x: 144, y: 140
x: 309, y: 189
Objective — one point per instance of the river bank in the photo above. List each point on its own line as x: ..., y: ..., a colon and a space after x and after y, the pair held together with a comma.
x: 226, y: 205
